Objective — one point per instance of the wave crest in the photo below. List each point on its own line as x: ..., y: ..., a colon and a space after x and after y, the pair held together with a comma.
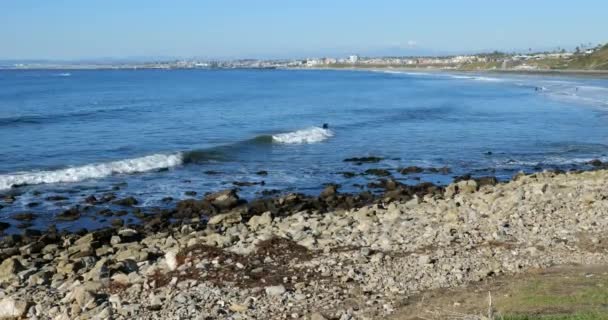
x: 92, y: 171
x: 310, y: 135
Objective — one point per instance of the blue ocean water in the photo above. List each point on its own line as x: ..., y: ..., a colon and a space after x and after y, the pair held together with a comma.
x: 158, y: 133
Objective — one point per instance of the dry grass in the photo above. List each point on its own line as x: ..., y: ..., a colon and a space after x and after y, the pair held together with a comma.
x: 559, y: 293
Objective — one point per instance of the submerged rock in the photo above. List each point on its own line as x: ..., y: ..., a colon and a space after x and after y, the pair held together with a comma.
x: 411, y: 169
x: 127, y: 202
x: 56, y: 198
x: 378, y: 172
x: 361, y: 160
x: 69, y: 215
x: 24, y: 216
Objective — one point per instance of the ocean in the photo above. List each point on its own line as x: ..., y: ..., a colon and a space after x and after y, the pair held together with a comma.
x: 153, y: 134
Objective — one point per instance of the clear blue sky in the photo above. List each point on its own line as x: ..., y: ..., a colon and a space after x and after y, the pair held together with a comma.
x: 73, y: 29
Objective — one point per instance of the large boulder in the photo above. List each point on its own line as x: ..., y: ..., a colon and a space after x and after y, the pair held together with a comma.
x: 12, y: 308
x: 229, y: 218
x: 262, y: 220
x: 9, y: 270
x: 224, y: 200
x: 329, y: 191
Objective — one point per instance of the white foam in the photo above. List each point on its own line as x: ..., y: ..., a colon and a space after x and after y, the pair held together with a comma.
x: 476, y: 78
x: 409, y: 73
x: 310, y: 135
x: 92, y: 171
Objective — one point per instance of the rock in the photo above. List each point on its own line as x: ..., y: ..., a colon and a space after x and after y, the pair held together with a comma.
x: 329, y: 191
x: 126, y: 202
x: 24, y: 216
x: 275, y: 290
x: 99, y: 271
x: 229, y: 218
x: 9, y: 270
x: 317, y: 316
x: 115, y: 240
x: 442, y: 170
x: 190, y: 193
x: 462, y: 186
x: 348, y: 174
x: 411, y: 169
x: 69, y: 215
x: 595, y: 163
x: 91, y: 199
x: 468, y: 186
x: 224, y: 200
x: 132, y: 252
x: 486, y: 181
x: 117, y: 222
x: 12, y: 308
x: 247, y: 183
x: 56, y: 198
x: 262, y: 173
x: 128, y: 233
x: 171, y: 260
x: 4, y: 225
x: 155, y: 303
x: 9, y: 199
x: 120, y: 278
x: 235, y: 307
x: 82, y: 296
x: 262, y: 220
x: 378, y: 172
x: 364, y: 160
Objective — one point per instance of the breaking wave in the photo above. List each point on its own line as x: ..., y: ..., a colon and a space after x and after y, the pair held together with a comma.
x: 92, y: 171
x: 158, y: 161
x: 310, y: 135
x: 476, y: 78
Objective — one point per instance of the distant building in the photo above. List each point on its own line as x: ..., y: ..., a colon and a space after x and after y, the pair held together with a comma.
x: 353, y: 59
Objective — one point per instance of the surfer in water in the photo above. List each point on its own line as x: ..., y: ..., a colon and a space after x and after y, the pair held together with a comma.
x: 325, y: 126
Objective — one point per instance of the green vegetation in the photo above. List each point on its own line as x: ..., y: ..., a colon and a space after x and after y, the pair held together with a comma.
x: 578, y: 316
x: 560, y: 293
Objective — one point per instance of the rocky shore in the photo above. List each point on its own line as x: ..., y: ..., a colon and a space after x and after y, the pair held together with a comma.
x: 331, y: 257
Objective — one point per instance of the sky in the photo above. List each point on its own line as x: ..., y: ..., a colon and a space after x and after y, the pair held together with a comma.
x: 77, y: 29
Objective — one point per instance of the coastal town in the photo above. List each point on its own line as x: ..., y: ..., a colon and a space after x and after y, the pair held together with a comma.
x: 547, y: 60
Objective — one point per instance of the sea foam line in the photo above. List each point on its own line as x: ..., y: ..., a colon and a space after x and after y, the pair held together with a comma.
x: 92, y: 171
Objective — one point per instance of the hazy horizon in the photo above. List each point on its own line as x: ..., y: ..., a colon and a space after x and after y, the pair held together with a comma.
x: 70, y: 30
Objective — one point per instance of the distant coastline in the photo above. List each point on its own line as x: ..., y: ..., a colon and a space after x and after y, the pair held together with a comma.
x: 567, y: 72
x: 590, y: 61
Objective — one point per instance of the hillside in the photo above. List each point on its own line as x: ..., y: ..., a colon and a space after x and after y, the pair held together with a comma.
x: 595, y: 61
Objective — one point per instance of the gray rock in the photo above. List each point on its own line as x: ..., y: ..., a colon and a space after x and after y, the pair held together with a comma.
x: 229, y: 218
x: 9, y: 270
x: 275, y: 290
x: 11, y: 308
